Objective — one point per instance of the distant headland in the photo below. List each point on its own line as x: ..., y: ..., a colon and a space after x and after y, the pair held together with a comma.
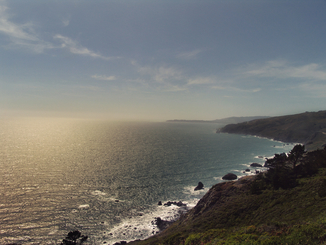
x: 308, y: 128
x: 227, y: 120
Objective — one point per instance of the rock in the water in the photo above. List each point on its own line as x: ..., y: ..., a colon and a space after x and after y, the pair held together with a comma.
x: 200, y: 186
x: 73, y: 238
x: 247, y: 170
x: 230, y: 176
x: 161, y: 224
x: 256, y: 165
x: 159, y: 203
x: 179, y: 204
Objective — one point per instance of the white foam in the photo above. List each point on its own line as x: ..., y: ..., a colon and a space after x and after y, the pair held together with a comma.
x: 142, y: 225
x: 102, y: 196
x: 83, y: 206
x: 98, y: 193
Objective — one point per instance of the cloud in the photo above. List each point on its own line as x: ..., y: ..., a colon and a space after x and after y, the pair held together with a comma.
x: 105, y: 78
x: 201, y: 81
x: 160, y: 74
x: 189, y: 55
x: 316, y: 90
x: 66, y: 21
x: 236, y: 89
x: 75, y: 48
x: 21, y: 35
x: 24, y: 36
x: 281, y: 69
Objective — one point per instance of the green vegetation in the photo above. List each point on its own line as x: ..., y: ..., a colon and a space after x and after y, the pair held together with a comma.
x: 285, y: 205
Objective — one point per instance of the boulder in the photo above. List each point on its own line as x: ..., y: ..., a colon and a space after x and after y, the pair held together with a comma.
x: 256, y: 165
x: 200, y: 186
x: 247, y: 170
x: 229, y: 176
x: 159, y: 203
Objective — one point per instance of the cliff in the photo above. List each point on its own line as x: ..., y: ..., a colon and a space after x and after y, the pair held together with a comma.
x: 308, y: 128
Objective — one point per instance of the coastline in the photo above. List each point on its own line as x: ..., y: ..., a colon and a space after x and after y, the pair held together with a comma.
x: 212, y: 198
x: 241, y: 183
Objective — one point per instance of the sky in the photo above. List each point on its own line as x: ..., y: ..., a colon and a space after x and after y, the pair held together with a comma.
x: 162, y: 59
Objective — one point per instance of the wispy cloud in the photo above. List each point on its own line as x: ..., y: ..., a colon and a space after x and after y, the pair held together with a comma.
x: 308, y: 79
x: 201, y: 81
x: 316, y: 90
x: 76, y: 48
x: 66, y: 21
x: 237, y: 89
x: 25, y: 37
x: 189, y: 55
x: 281, y: 69
x: 21, y: 35
x: 160, y: 74
x: 105, y: 78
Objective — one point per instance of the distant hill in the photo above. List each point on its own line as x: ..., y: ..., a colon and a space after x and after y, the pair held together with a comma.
x: 230, y: 120
x: 227, y: 120
x: 308, y: 128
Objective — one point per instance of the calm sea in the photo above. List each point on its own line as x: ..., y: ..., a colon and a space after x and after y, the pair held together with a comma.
x: 105, y: 179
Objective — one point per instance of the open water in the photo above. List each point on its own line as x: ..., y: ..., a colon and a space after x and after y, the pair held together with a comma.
x: 105, y: 179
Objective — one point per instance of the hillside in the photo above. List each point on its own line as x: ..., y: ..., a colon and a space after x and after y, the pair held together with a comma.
x: 256, y: 210
x: 308, y: 128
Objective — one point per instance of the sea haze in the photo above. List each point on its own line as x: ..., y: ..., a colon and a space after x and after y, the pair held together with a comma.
x: 105, y: 179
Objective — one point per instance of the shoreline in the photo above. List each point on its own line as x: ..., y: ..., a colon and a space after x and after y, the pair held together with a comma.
x: 242, y: 176
x: 240, y: 183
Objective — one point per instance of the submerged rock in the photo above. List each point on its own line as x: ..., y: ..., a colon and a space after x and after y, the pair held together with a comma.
x: 200, y: 186
x: 229, y: 176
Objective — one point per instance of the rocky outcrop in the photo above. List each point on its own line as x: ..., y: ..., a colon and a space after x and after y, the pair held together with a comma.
x: 256, y: 165
x: 200, y: 186
x: 230, y: 176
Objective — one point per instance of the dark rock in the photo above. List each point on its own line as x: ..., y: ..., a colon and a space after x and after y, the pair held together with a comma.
x: 179, y: 204
x: 200, y: 186
x: 74, y: 238
x: 168, y: 203
x: 256, y: 165
x: 120, y: 243
x: 161, y: 224
x: 229, y: 176
x: 159, y: 203
x: 247, y: 170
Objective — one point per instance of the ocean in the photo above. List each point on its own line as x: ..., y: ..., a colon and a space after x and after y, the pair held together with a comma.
x: 105, y: 179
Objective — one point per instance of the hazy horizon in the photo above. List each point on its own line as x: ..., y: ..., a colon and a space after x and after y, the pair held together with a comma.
x: 161, y: 60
